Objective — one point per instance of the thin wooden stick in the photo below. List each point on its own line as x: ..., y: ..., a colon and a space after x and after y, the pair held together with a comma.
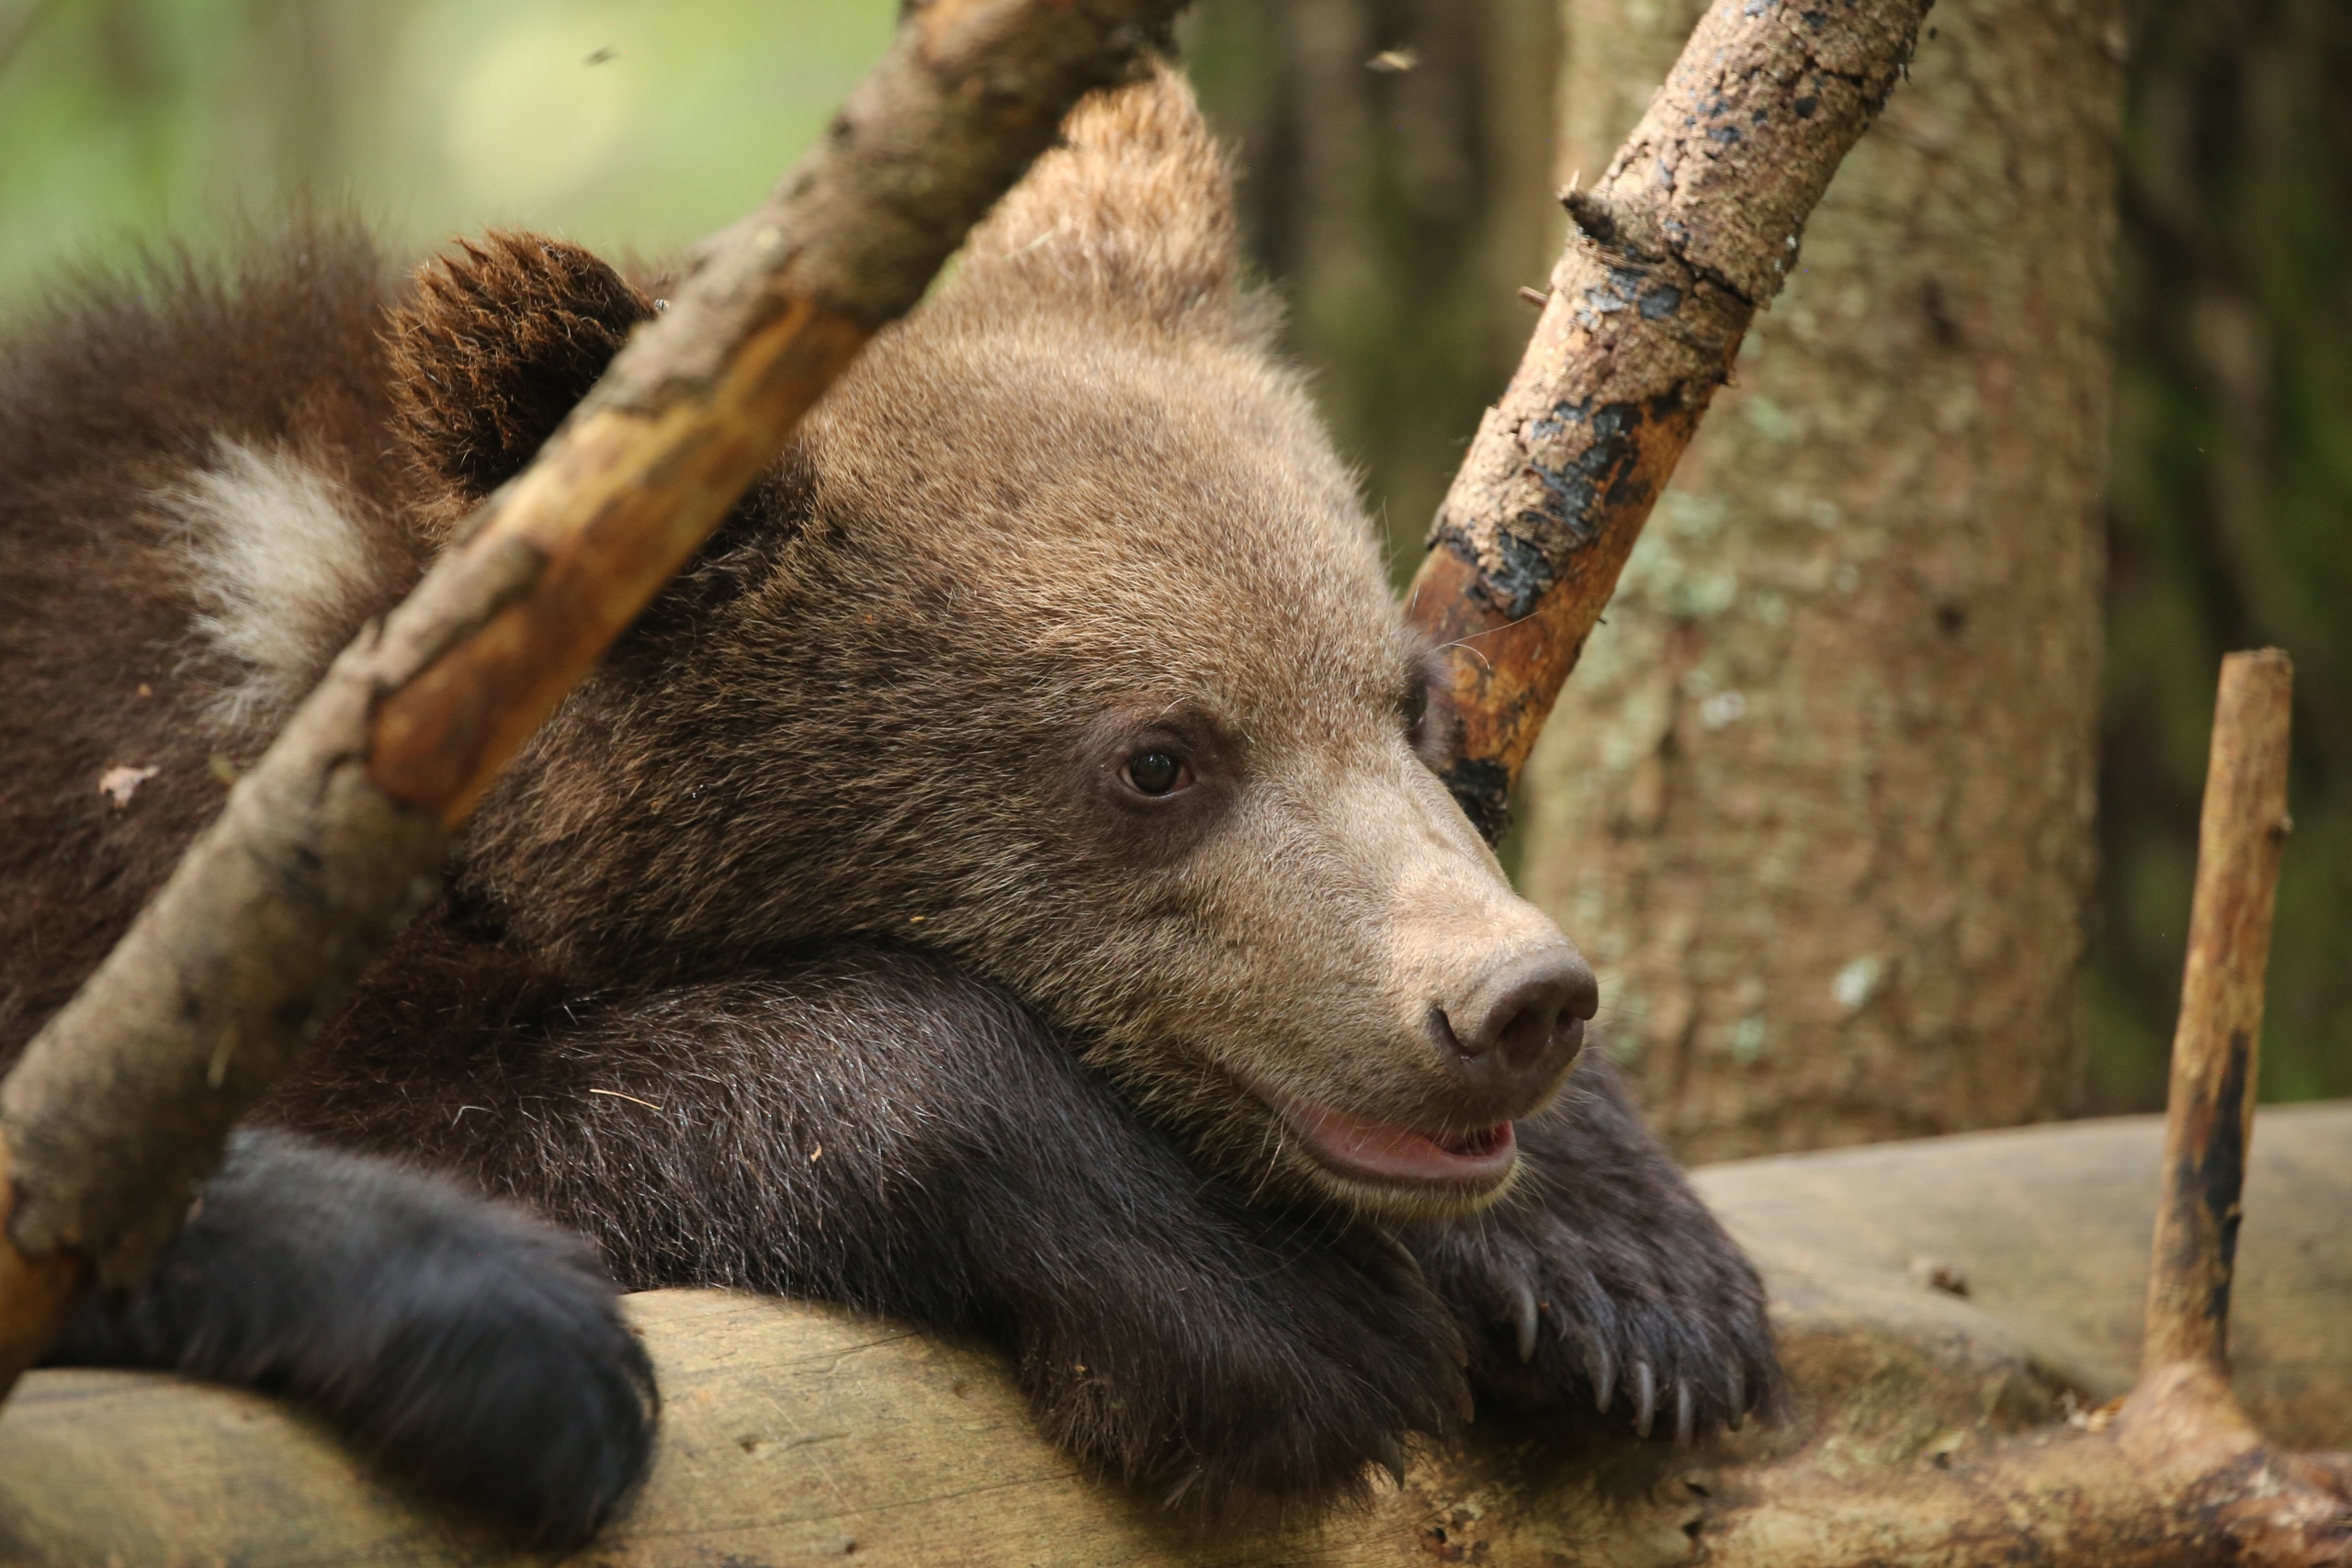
x: 2209, y: 1116
x: 118, y: 1110
x: 1689, y: 232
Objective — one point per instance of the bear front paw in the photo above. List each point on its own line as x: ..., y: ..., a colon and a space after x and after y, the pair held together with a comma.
x: 1665, y: 1333
x: 1601, y: 1283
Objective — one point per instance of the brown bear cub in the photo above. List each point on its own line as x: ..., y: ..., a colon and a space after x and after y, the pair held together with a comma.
x: 999, y: 883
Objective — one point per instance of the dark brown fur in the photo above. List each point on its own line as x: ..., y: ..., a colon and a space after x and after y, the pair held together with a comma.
x: 108, y: 400
x: 467, y: 1346
x: 468, y: 422
x: 816, y: 945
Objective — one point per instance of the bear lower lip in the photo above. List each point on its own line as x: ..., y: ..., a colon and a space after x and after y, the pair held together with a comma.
x: 1379, y: 1151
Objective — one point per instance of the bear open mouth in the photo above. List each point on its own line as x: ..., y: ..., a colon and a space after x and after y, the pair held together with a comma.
x: 1380, y: 1151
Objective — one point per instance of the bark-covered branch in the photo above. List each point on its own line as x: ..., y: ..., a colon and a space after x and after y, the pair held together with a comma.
x: 2240, y: 839
x: 117, y: 1111
x: 1689, y: 231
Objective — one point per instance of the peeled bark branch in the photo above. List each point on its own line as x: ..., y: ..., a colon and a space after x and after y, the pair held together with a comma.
x: 2210, y: 1113
x: 1689, y: 231
x: 117, y: 1111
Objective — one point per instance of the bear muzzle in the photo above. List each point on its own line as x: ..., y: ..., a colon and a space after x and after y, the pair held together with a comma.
x: 1500, y: 1051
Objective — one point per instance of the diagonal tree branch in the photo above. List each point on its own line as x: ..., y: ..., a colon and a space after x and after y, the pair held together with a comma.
x: 2209, y: 1118
x: 117, y: 1111
x: 1688, y: 235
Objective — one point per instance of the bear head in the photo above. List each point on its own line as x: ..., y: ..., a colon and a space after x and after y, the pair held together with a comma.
x: 1060, y: 641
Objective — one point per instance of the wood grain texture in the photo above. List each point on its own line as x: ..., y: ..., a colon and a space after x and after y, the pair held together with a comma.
x: 118, y: 1110
x: 2047, y: 1229
x: 801, y: 1434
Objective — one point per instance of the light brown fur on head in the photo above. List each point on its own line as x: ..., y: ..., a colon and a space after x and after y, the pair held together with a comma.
x: 1133, y: 213
x: 1070, y: 511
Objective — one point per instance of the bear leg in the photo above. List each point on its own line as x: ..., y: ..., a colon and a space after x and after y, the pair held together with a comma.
x: 471, y: 1349
x: 876, y: 1128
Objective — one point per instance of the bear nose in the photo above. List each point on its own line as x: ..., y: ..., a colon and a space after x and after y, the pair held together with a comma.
x: 1523, y: 1024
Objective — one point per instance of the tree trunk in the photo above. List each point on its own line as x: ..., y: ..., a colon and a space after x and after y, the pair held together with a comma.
x: 1818, y: 800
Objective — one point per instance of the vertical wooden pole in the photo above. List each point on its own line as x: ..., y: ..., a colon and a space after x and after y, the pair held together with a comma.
x: 2210, y: 1112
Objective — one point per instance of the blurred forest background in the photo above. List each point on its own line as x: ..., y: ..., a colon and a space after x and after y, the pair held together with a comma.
x: 1400, y: 157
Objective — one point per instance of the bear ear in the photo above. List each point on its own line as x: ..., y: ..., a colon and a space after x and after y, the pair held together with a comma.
x: 1134, y: 210
x: 497, y: 345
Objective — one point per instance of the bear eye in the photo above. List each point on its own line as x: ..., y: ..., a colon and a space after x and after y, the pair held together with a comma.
x: 1157, y: 773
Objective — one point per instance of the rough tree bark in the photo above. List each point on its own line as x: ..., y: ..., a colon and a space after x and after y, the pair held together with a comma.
x: 1819, y: 801
x: 117, y: 1111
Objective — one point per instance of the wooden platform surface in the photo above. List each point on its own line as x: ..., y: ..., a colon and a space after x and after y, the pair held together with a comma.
x: 799, y: 1433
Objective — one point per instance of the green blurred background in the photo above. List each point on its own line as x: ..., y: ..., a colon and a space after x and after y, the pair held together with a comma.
x: 1397, y: 209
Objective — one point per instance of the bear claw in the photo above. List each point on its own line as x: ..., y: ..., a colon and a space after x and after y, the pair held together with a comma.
x: 1522, y: 1311
x: 1601, y: 1368
x: 1671, y: 1360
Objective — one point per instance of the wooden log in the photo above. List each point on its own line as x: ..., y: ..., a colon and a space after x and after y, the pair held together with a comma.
x: 1670, y: 254
x: 117, y: 1111
x: 2046, y: 1229
x: 795, y: 1432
